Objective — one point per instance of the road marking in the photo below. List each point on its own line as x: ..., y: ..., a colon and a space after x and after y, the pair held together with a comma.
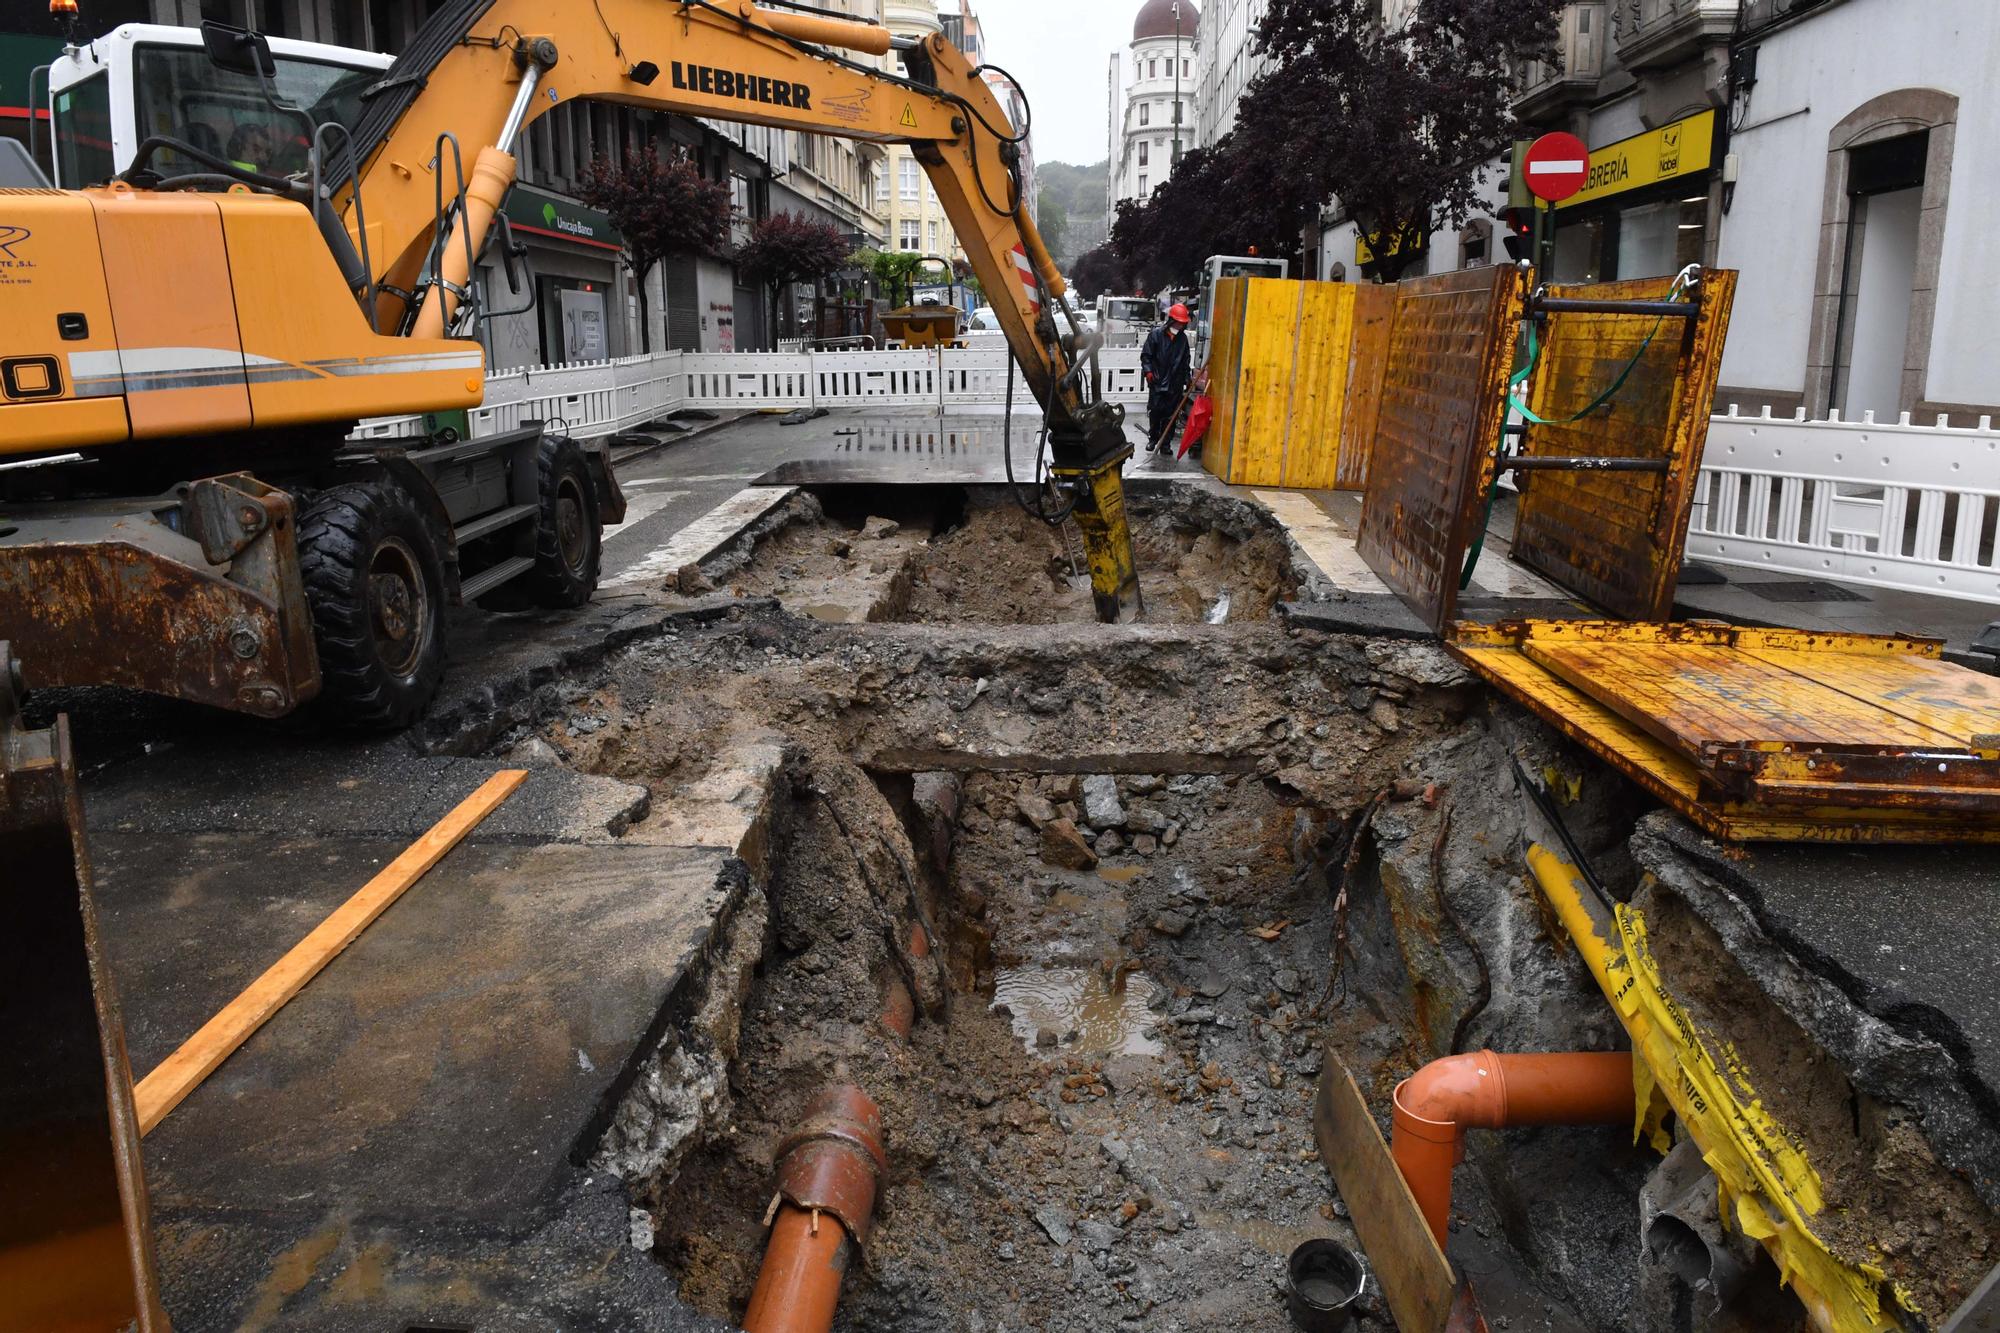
x: 701, y: 538
x: 740, y: 478
x: 641, y: 507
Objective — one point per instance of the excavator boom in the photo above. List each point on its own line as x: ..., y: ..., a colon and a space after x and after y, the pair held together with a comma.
x: 481, y: 71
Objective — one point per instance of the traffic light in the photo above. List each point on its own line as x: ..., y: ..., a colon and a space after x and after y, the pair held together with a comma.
x: 1519, y: 224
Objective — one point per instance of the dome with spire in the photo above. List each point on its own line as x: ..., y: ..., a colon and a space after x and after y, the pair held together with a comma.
x: 1156, y: 19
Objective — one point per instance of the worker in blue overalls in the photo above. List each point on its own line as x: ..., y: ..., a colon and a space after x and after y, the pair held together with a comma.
x: 1169, y: 364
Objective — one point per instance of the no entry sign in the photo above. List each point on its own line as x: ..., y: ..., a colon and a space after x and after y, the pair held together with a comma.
x: 1556, y: 166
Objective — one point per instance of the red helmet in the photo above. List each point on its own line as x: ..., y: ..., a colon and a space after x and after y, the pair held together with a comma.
x: 1178, y: 313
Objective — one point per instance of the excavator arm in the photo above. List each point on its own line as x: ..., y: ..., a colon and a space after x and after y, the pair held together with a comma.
x: 481, y: 71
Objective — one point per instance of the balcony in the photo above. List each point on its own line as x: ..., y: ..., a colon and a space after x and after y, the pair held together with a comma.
x: 1547, y: 88
x: 1654, y: 33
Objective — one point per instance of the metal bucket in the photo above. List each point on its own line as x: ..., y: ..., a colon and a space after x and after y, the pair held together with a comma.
x: 1325, y: 1282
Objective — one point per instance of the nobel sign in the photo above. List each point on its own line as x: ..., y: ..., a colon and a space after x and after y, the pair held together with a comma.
x: 1682, y: 148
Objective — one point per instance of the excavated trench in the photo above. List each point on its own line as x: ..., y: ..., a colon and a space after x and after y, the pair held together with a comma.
x: 1124, y: 886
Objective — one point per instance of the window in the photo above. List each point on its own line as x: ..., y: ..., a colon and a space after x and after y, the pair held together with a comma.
x: 1184, y: 64
x: 912, y: 237
x: 934, y: 238
x: 1143, y: 191
x: 1152, y: 69
x: 1142, y: 152
x: 181, y: 94
x: 83, y: 133
x: 881, y: 189
x: 909, y: 170
x: 1145, y: 113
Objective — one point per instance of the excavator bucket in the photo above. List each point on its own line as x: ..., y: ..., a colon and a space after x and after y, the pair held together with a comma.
x: 76, y: 1250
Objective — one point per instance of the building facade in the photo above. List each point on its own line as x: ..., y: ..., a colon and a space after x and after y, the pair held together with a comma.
x: 1152, y: 88
x: 586, y: 304
x: 1224, y: 64
x: 1813, y: 145
x: 913, y: 216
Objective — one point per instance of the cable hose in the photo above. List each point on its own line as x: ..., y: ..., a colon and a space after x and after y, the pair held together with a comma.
x: 1036, y: 511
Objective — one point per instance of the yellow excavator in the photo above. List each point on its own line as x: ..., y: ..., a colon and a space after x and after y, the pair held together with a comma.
x: 187, y: 349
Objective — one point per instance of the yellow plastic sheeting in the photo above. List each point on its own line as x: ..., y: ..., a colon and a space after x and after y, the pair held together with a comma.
x: 1280, y: 362
x: 1766, y: 1184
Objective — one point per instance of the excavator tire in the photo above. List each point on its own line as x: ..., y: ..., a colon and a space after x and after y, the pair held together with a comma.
x: 569, y: 538
x: 374, y: 581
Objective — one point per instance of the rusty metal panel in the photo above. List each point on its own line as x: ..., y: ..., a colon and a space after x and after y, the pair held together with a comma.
x: 1437, y: 431
x: 76, y: 1248
x: 1767, y: 734
x: 1374, y: 314
x: 196, y: 597
x: 1617, y: 538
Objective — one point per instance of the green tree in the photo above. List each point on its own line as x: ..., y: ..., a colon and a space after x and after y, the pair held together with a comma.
x: 894, y: 272
x: 1395, y: 122
x: 1052, y: 220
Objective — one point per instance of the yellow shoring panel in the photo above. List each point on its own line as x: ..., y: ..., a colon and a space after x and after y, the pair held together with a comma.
x: 1225, y: 355
x: 1675, y: 776
x: 1319, y: 386
x: 1264, y: 386
x: 1279, y: 380
x: 1768, y: 1188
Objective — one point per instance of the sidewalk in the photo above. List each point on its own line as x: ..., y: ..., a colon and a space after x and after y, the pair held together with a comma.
x: 1325, y: 523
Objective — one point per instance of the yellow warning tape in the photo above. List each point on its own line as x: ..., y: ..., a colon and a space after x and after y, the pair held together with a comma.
x: 1765, y: 1183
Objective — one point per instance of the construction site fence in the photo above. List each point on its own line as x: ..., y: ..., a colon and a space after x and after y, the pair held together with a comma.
x: 593, y: 399
x: 1888, y: 504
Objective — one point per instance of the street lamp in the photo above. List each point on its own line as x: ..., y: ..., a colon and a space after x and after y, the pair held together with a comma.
x: 1175, y: 165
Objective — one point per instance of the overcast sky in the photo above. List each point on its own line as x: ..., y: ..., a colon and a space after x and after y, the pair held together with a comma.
x: 1058, y: 49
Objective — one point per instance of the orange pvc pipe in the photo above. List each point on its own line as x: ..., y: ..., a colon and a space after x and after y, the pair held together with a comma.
x: 1483, y: 1090
x: 828, y: 1172
x: 799, y: 1286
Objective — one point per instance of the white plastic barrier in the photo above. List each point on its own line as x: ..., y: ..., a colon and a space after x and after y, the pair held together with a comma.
x: 747, y: 379
x: 1890, y: 505
x: 598, y: 398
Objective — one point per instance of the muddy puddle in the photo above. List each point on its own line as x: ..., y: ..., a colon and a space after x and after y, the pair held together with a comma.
x: 1078, y: 1010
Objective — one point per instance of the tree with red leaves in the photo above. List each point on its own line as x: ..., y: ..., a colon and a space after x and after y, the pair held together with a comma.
x: 1101, y: 270
x: 790, y: 247
x: 1393, y: 121
x: 662, y: 206
x: 1217, y: 202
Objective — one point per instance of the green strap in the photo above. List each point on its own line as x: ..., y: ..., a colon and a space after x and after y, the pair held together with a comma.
x: 1514, y: 382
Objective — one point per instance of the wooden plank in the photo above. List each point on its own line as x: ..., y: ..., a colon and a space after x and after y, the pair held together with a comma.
x: 1690, y: 696
x: 1319, y: 394
x: 1225, y: 356
x: 200, y: 1055
x: 1955, y: 700
x: 1264, y: 381
x: 1673, y: 779
x: 1416, y: 1280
